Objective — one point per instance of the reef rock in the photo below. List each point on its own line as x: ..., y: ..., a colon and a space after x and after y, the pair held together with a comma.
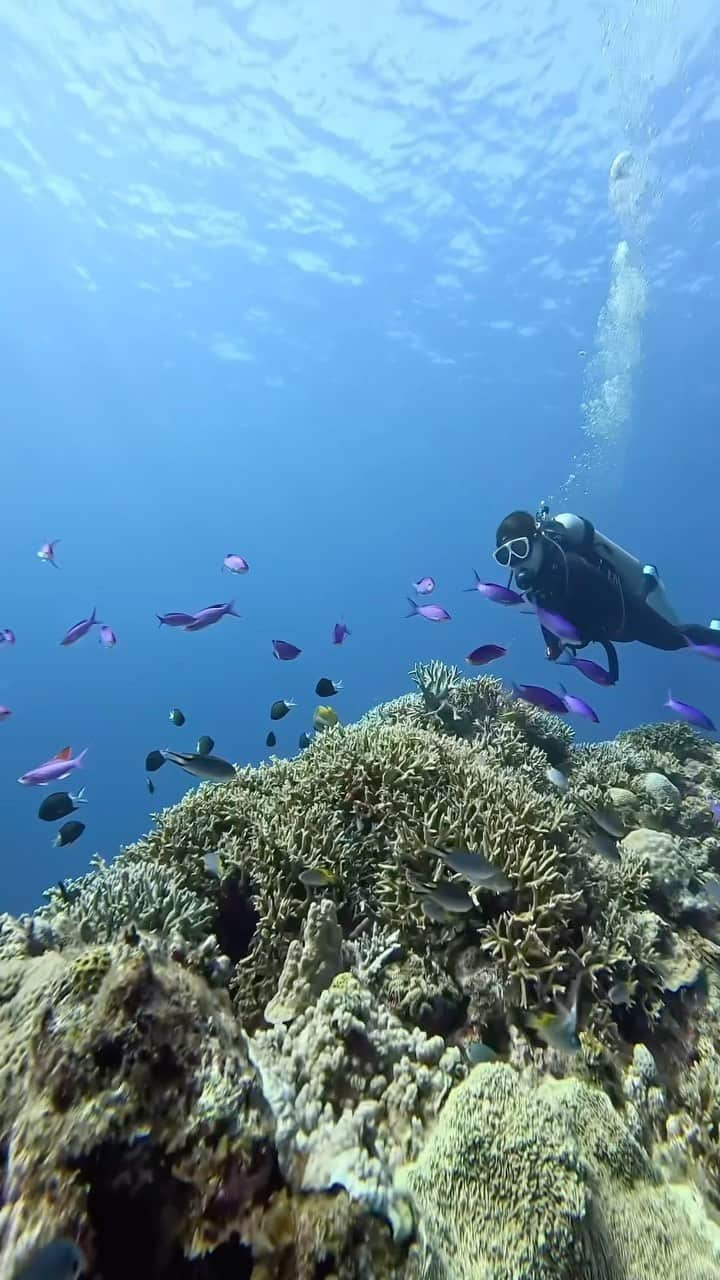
x: 352, y: 1092
x: 136, y: 1088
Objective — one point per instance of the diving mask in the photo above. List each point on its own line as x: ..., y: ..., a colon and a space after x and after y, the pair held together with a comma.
x: 512, y: 552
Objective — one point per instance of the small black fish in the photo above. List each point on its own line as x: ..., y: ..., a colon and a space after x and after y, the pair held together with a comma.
x: 281, y: 708
x: 177, y: 717
x: 271, y: 740
x: 326, y: 689
x: 68, y: 833
x: 64, y: 893
x: 304, y: 741
x: 207, y: 768
x: 154, y: 760
x: 205, y: 745
x: 150, y: 786
x: 60, y: 804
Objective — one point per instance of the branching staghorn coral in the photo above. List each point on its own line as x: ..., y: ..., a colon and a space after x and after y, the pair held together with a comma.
x: 102, y: 904
x: 357, y: 803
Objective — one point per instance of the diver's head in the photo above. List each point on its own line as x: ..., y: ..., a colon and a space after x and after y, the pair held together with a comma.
x: 515, y: 540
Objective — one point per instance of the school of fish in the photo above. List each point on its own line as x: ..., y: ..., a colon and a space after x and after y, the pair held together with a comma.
x: 208, y: 767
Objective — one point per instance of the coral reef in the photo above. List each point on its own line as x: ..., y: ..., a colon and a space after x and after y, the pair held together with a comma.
x: 352, y: 1091
x: 560, y: 1187
x: 242, y: 1046
x: 131, y: 1066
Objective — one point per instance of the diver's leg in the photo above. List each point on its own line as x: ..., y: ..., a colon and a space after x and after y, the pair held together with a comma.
x: 646, y: 626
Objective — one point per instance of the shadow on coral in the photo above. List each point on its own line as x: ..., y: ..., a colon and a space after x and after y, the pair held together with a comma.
x: 236, y: 920
x: 136, y: 1222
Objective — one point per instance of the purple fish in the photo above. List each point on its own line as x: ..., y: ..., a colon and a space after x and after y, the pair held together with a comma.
x: 715, y: 809
x: 284, y: 651
x: 61, y: 766
x: 540, y: 697
x: 558, y: 626
x: 80, y: 629
x: 433, y: 612
x: 340, y: 631
x: 424, y: 586
x: 711, y: 651
x: 235, y: 564
x: 107, y: 637
x: 175, y: 619
x: 578, y: 706
x: 592, y: 670
x: 5, y: 712
x: 7, y: 636
x: 495, y: 592
x: 208, y: 617
x: 47, y: 553
x: 486, y: 653
x: 692, y: 715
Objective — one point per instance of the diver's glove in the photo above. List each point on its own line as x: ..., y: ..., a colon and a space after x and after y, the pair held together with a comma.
x: 553, y: 648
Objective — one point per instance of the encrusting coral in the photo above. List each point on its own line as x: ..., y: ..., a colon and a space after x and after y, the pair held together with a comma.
x: 350, y: 1088
x: 241, y: 1050
x: 560, y: 1186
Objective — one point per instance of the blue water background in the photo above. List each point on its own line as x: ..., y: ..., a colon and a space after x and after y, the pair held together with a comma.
x: 310, y: 285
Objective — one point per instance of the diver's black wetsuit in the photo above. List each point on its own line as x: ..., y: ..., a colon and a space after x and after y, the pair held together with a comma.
x: 583, y: 589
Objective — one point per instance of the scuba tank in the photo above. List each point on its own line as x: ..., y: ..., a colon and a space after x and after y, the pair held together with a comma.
x: 641, y: 584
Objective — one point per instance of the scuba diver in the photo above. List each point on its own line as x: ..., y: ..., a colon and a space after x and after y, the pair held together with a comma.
x: 564, y: 564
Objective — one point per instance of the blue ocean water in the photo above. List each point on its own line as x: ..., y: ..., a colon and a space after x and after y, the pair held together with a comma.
x: 325, y: 287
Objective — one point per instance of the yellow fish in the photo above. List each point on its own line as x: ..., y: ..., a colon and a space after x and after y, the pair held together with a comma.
x: 325, y: 717
x: 559, y: 1030
x: 317, y: 877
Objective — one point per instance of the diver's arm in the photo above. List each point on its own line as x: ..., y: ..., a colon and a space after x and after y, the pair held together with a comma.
x: 612, y: 661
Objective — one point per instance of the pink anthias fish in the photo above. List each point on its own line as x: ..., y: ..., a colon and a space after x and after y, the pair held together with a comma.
x: 711, y: 651
x: 340, y: 631
x: 578, y: 706
x: 208, y: 617
x: 486, y: 653
x: 107, y: 637
x: 4, y: 712
x: 61, y: 766
x: 689, y: 713
x: 7, y: 636
x: 433, y: 612
x: 47, y: 553
x: 175, y: 619
x: 81, y: 629
x: 591, y: 670
x: 424, y: 586
x: 558, y: 626
x: 495, y: 592
x: 284, y: 651
x: 235, y: 564
x: 539, y: 696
